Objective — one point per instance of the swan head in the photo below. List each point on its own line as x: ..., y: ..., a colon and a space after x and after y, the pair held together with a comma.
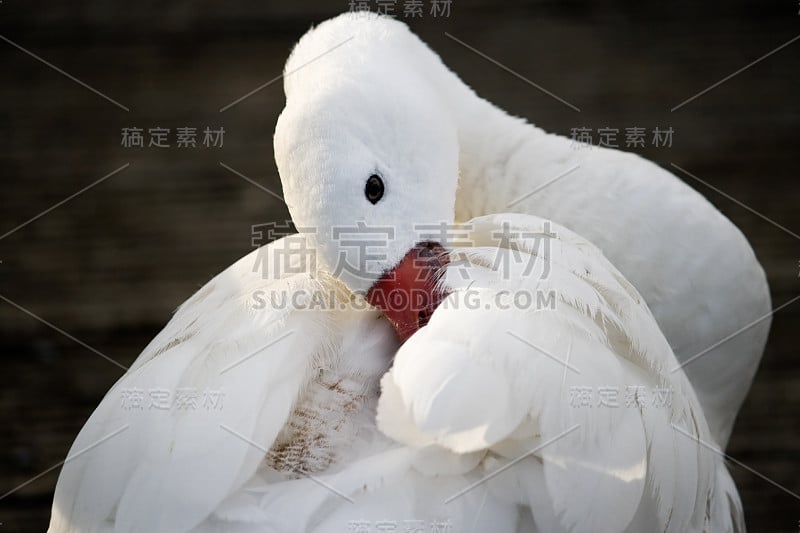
x: 368, y: 160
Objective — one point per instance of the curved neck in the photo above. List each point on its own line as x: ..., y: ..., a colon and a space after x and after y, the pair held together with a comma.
x: 490, y: 143
x: 661, y: 234
x: 492, y: 178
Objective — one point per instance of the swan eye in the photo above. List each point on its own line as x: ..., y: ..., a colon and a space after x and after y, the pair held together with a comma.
x: 374, y: 189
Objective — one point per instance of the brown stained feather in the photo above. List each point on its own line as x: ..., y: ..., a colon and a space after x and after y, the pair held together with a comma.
x: 173, y: 343
x: 307, y: 444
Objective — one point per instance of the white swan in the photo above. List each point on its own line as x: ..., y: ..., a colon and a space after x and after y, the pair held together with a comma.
x: 300, y: 381
x: 694, y: 268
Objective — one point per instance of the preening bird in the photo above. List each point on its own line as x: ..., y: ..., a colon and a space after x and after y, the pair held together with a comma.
x: 437, y: 376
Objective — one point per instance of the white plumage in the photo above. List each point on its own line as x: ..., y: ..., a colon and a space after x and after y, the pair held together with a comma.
x: 503, y: 380
x: 314, y: 434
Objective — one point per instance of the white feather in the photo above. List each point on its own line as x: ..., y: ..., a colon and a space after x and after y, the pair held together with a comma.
x: 169, y: 469
x: 298, y: 427
x: 604, y: 468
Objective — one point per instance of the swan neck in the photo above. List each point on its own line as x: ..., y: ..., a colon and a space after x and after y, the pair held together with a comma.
x: 489, y: 139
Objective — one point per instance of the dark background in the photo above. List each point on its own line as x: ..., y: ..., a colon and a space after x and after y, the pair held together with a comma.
x: 109, y: 266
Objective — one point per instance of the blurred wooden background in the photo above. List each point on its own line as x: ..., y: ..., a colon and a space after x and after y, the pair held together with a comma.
x: 110, y: 265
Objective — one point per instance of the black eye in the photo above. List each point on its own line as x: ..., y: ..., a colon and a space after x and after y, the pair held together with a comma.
x: 374, y: 189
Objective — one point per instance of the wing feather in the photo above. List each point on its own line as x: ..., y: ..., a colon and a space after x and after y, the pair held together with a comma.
x: 170, y: 468
x: 511, y: 386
